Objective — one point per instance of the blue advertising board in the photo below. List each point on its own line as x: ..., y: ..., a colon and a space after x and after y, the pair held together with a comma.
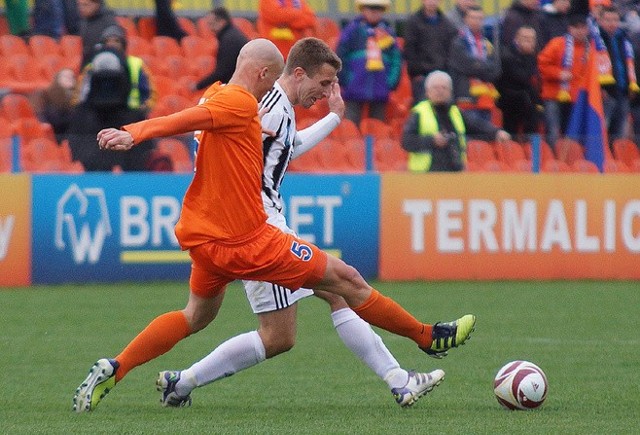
x: 107, y: 228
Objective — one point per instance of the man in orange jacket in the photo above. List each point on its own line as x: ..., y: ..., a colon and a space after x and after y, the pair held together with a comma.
x: 283, y: 22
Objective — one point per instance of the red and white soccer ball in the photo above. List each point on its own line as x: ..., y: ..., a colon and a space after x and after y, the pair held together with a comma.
x: 520, y: 385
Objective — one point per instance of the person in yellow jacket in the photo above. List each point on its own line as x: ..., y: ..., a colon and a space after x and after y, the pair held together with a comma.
x: 143, y: 95
x: 435, y: 133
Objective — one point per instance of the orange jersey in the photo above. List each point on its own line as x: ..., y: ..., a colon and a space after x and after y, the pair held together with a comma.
x: 223, y: 201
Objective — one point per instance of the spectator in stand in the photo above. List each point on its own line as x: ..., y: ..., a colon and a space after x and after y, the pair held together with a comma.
x: 474, y: 66
x: 371, y: 61
x: 71, y: 16
x: 427, y: 38
x: 635, y: 98
x: 18, y: 17
x: 554, y: 21
x: 95, y: 18
x: 230, y: 41
x: 142, y: 95
x: 457, y: 12
x: 435, y: 133
x: 283, y: 22
x: 167, y: 22
x: 521, y: 13
x: 562, y: 74
x: 616, y: 95
x: 48, y: 18
x: 55, y: 103
x: 519, y: 86
x: 106, y: 105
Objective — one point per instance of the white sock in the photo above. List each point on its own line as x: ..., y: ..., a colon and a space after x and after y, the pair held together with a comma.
x: 358, y: 336
x: 236, y: 354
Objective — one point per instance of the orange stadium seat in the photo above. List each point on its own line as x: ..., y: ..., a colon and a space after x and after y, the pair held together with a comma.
x: 625, y: 151
x: 26, y: 73
x: 376, y: 128
x: 174, y: 66
x: 31, y: 128
x: 612, y: 166
x: 569, y: 150
x: 388, y: 155
x: 41, y: 45
x: 546, y: 153
x: 553, y: 165
x: 170, y: 104
x: 128, y: 24
x: 480, y: 152
x: 188, y: 25
x: 202, y: 65
x: 6, y: 128
x: 71, y: 45
x: 50, y: 64
x: 16, y: 106
x: 147, y: 27
x: 204, y: 31
x: 194, y: 46
x: 6, y: 154
x: 582, y: 165
x: 327, y: 28
x: 4, y: 26
x: 138, y: 46
x: 511, y: 153
x: 177, y: 152
x: 338, y: 156
x: 495, y: 166
x: 346, y: 130
x: 37, y: 153
x: 11, y: 45
x: 246, y: 26
x: 165, y: 46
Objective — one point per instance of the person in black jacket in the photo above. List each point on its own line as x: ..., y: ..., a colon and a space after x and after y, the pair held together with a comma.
x: 106, y: 105
x: 519, y: 85
x: 555, y: 21
x: 230, y: 41
x: 95, y: 17
x: 520, y: 13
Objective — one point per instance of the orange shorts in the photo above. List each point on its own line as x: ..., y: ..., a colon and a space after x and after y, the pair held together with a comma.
x: 267, y: 254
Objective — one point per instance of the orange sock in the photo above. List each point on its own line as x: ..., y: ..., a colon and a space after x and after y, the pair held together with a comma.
x: 385, y: 313
x: 164, y: 332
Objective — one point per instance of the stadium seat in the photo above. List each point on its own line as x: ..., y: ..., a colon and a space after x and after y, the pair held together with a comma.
x: 26, y: 73
x: 6, y: 154
x: 311, y: 161
x: 6, y: 128
x: 165, y: 86
x: 170, y: 104
x: 204, y: 31
x: 165, y: 46
x: 11, y: 45
x: 4, y: 26
x: 188, y: 25
x: 338, y: 156
x: 326, y: 28
x: 625, y: 151
x: 246, y: 26
x: 346, y: 130
x: 138, y: 46
x: 376, y: 128
x: 511, y: 153
x: 16, y: 106
x: 569, y: 151
x: 521, y: 166
x: 177, y: 152
x: 480, y: 152
x: 175, y: 66
x: 546, y: 153
x: 553, y: 165
x: 635, y: 166
x: 41, y: 45
x: 31, y: 128
x: 71, y: 45
x: 582, y: 165
x: 50, y: 64
x: 388, y: 155
x: 612, y: 166
x: 194, y: 46
x: 37, y: 155
x: 201, y: 66
x: 495, y: 166
x: 147, y: 27
x: 128, y: 24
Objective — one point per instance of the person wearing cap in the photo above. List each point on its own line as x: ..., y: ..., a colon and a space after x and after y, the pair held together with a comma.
x: 427, y: 39
x: 95, y: 17
x: 371, y: 60
x: 563, y: 65
x: 105, y: 104
x: 142, y: 94
x: 230, y: 41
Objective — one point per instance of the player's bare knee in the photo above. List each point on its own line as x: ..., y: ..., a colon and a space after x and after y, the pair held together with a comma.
x: 277, y: 344
x: 335, y: 302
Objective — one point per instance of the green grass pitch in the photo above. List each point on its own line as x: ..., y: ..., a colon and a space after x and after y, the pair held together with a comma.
x: 584, y: 335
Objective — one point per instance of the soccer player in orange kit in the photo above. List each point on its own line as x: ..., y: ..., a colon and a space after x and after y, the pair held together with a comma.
x: 223, y: 225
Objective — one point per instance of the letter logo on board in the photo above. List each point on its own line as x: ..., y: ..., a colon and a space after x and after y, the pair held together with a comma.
x: 82, y: 223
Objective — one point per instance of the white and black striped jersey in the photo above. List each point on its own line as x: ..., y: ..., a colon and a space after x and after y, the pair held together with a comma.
x: 278, y: 149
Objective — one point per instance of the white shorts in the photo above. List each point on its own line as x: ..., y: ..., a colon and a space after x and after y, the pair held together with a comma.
x: 265, y: 297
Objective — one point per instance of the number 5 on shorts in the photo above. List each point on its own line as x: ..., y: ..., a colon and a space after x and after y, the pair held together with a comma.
x: 303, y: 252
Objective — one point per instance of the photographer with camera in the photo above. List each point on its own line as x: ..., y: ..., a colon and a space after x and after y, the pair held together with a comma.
x: 435, y: 133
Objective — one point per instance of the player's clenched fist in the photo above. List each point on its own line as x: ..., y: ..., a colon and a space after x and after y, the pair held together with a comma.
x: 114, y: 139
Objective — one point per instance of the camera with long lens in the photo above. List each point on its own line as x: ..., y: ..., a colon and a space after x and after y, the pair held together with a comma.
x: 453, y: 150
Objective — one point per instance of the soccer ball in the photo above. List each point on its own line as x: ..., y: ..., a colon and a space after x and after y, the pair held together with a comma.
x: 520, y: 385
